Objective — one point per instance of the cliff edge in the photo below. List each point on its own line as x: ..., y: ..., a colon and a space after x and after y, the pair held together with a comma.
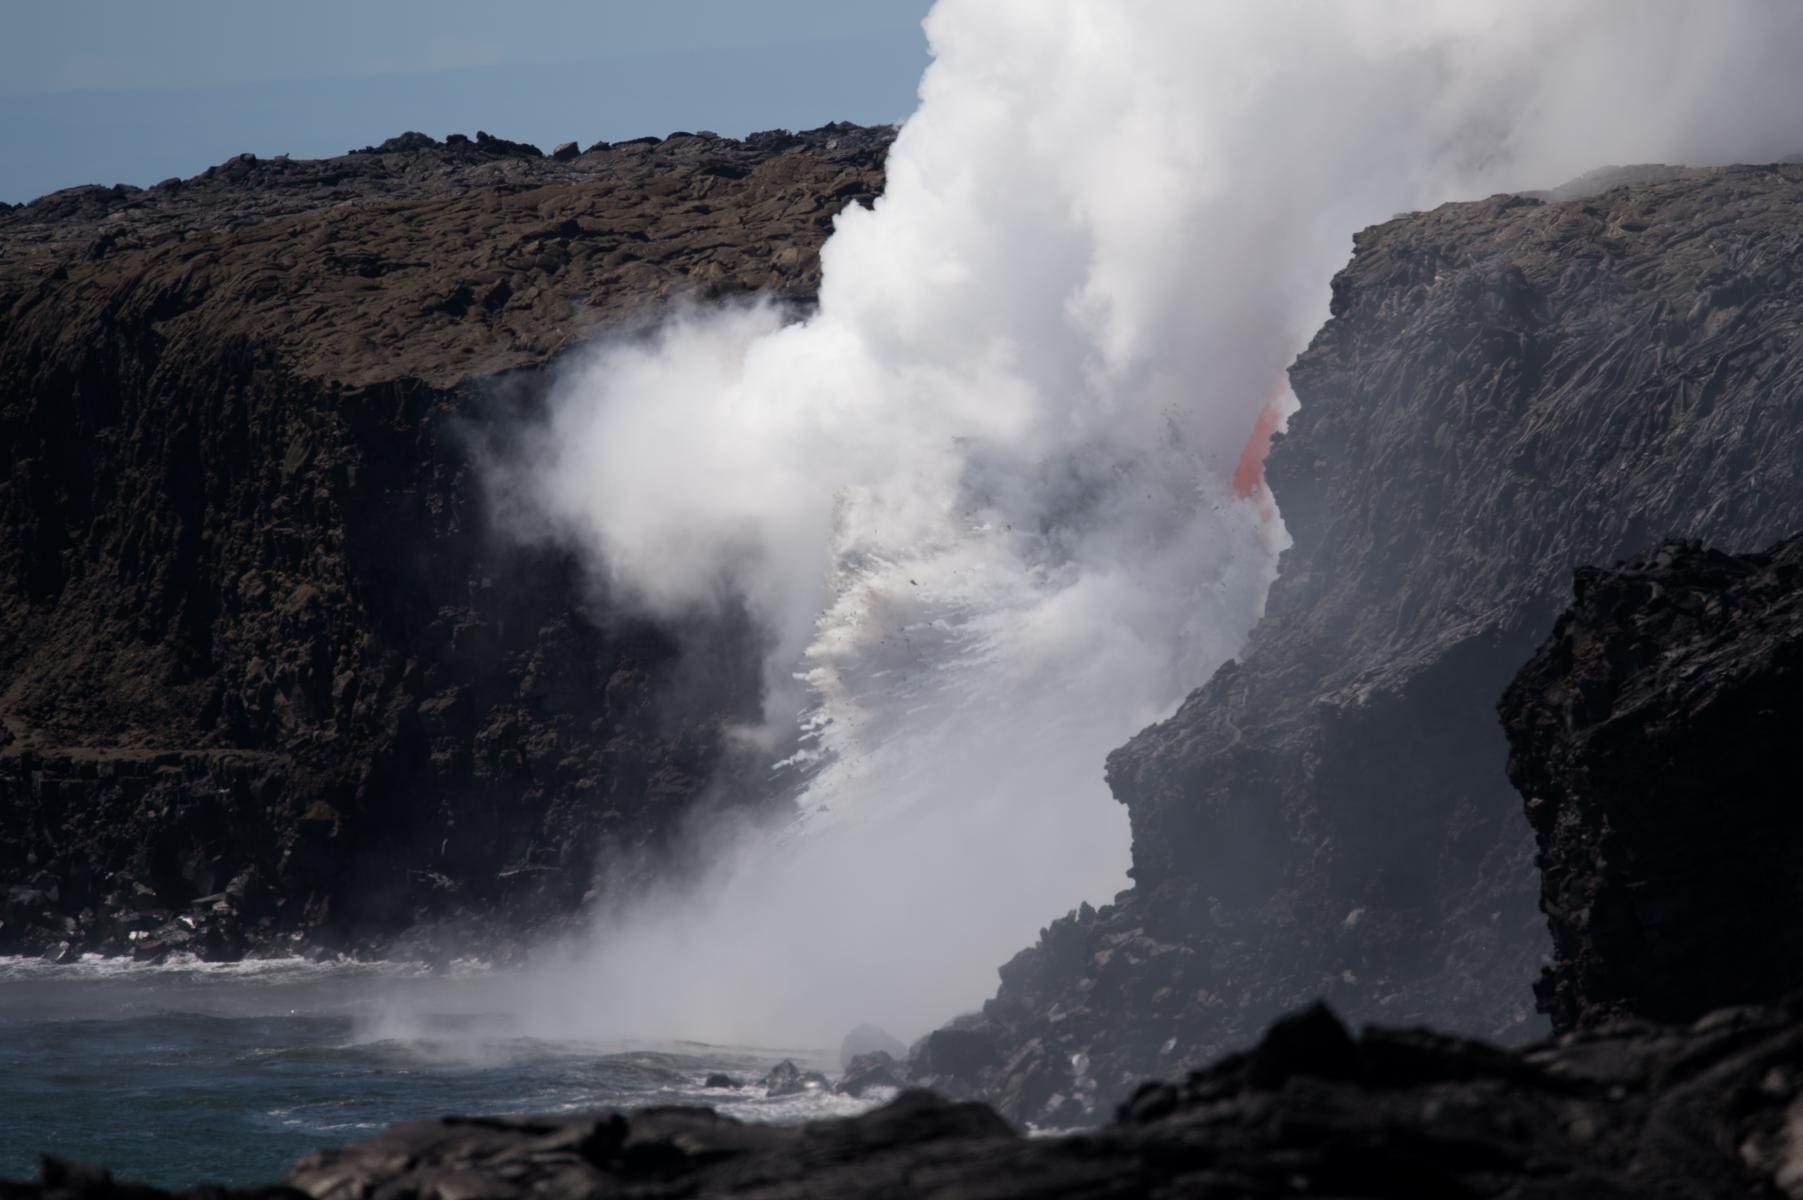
x: 1507, y: 389
x: 268, y: 678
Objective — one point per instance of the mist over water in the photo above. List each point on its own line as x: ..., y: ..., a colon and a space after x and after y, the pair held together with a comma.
x: 982, y: 502
x: 229, y: 1072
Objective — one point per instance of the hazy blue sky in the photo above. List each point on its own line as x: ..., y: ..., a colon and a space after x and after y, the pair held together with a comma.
x: 106, y: 91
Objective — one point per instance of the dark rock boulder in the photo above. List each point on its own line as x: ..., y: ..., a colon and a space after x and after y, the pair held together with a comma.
x: 877, y: 1069
x: 1507, y: 389
x: 489, y: 144
x: 1652, y: 741
x: 404, y: 143
x: 1312, y: 1042
x: 787, y: 1079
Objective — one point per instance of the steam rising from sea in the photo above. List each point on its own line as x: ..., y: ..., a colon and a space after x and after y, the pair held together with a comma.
x: 980, y: 500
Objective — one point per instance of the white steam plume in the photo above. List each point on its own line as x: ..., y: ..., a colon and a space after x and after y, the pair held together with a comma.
x: 981, y: 499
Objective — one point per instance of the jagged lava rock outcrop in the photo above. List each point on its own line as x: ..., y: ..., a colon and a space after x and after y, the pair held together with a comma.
x: 1506, y: 389
x: 1707, y: 1111
x: 268, y: 677
x: 1653, y: 741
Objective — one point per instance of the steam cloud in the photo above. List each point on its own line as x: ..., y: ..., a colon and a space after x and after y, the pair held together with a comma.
x: 981, y: 500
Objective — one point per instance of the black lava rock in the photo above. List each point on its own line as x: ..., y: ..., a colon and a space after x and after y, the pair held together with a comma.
x: 877, y: 1069
x: 1650, y: 739
x: 787, y: 1079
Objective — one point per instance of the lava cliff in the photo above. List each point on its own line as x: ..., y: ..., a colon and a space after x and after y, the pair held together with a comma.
x: 1507, y: 389
x: 267, y: 674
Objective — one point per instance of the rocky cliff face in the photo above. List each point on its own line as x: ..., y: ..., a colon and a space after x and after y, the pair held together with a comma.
x: 1650, y: 738
x: 267, y: 675
x: 1507, y: 389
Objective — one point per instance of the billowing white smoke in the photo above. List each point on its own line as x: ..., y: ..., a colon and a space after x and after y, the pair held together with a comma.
x: 981, y: 499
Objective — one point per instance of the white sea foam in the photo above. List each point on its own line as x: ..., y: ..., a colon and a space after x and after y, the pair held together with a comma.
x: 249, y: 970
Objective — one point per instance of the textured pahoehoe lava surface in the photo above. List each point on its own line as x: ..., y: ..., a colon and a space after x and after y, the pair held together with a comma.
x: 264, y: 665
x: 1507, y: 389
x: 1651, y: 740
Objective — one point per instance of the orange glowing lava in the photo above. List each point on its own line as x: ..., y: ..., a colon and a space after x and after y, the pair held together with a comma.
x: 1249, y: 474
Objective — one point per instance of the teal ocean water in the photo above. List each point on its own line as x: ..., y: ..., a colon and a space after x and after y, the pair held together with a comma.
x: 180, y: 1074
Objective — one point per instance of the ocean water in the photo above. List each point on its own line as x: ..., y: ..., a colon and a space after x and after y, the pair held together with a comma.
x: 185, y: 1073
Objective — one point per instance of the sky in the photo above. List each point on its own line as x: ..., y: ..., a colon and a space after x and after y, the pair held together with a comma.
x: 123, y: 91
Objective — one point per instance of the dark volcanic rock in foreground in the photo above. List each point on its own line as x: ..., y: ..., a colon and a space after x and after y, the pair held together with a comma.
x: 1712, y: 1110
x: 1654, y: 742
x: 268, y: 677
x: 1507, y: 389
